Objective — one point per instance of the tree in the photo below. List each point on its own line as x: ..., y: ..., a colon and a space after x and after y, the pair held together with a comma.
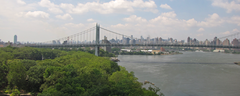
x: 17, y: 74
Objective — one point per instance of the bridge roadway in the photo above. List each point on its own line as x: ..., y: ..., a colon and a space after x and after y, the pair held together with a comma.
x: 93, y: 45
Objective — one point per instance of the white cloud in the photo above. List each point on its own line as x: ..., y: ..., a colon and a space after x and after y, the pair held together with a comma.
x: 200, y: 29
x: 74, y: 25
x: 234, y: 20
x: 169, y: 14
x: 229, y: 6
x: 167, y: 23
x: 90, y: 20
x: 134, y: 18
x: 165, y: 6
x: 120, y: 25
x: 65, y: 17
x: 51, y: 6
x: 21, y: 2
x: 40, y: 14
x: 213, y: 21
x: 116, y: 6
x: 225, y: 33
x: 169, y: 19
x: 236, y: 30
x: 199, y: 35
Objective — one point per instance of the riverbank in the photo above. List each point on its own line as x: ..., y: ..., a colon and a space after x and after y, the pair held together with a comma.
x: 148, y: 53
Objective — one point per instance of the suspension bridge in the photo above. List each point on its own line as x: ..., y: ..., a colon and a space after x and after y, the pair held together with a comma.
x: 92, y: 37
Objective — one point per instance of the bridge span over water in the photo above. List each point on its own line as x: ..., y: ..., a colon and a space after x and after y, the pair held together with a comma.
x: 93, y: 38
x: 127, y: 45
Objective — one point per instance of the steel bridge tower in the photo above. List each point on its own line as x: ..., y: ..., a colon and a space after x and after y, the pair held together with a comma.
x: 97, y: 39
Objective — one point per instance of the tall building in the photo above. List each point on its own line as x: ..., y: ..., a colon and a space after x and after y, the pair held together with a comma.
x: 226, y: 42
x: 131, y: 36
x: 235, y: 42
x: 215, y: 41
x: 218, y: 42
x: 126, y: 41
x: 171, y: 40
x: 142, y: 38
x: 206, y: 42
x: 155, y: 40
x: 160, y: 39
x: 162, y: 49
x: 188, y: 40
x: 106, y: 48
x: 15, y: 39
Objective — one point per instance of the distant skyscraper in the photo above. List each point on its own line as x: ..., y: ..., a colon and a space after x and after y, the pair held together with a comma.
x: 131, y: 36
x: 214, y: 40
x: 171, y: 40
x: 188, y: 40
x: 106, y: 48
x: 15, y: 39
x: 160, y: 40
x: 207, y: 42
x: 218, y: 42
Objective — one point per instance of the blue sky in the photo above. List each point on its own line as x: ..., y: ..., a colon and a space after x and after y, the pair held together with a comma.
x: 44, y: 20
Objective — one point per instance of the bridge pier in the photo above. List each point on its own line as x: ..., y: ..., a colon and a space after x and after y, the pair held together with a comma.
x: 97, y: 40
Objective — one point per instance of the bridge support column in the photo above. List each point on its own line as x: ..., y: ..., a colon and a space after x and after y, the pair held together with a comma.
x: 97, y: 40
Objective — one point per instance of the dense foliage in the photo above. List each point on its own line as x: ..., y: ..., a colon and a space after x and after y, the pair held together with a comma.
x: 102, y: 53
x: 60, y: 73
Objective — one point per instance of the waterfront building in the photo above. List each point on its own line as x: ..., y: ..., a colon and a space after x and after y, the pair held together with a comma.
x: 215, y: 41
x: 235, y: 42
x: 218, y: 42
x: 162, y: 49
x: 226, y: 42
x: 156, y: 51
x: 206, y: 42
x: 126, y: 50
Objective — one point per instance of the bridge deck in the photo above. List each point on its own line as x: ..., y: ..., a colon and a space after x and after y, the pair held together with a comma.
x: 93, y: 45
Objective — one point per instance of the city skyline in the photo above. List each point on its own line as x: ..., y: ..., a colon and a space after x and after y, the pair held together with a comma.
x: 44, y: 20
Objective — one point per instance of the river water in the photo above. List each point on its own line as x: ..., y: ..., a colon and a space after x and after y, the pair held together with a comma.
x: 188, y: 74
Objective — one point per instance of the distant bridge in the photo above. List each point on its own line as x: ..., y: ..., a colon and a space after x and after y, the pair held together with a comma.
x: 115, y: 45
x: 92, y: 37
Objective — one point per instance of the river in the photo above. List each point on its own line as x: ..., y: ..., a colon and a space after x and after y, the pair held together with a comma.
x: 188, y: 74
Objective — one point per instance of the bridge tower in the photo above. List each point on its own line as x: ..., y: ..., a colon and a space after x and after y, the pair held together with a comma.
x: 97, y: 39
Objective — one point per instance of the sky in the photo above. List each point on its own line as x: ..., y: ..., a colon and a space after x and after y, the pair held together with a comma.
x: 44, y: 20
